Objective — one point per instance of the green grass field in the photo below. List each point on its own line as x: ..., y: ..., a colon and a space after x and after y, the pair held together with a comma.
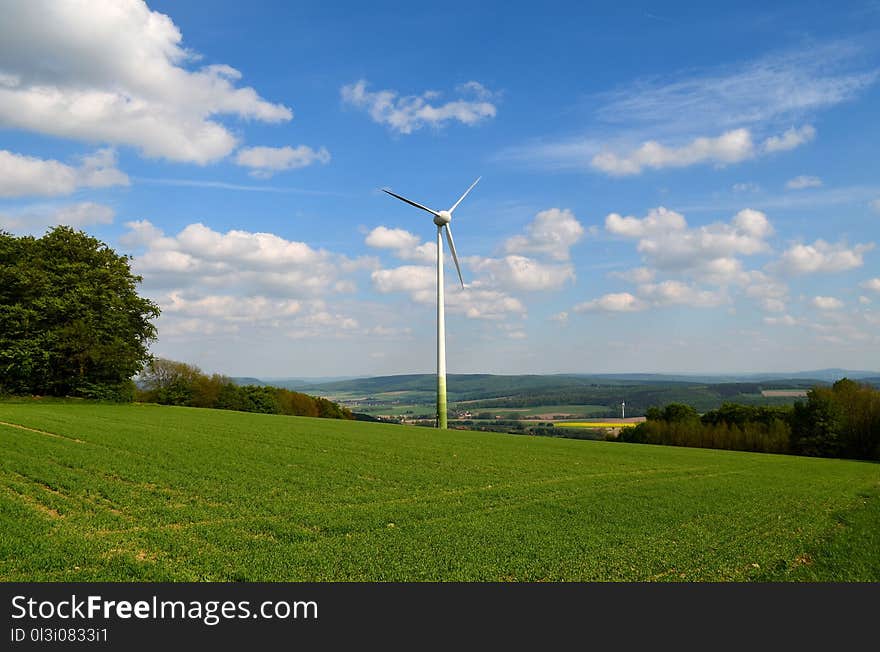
x: 141, y: 492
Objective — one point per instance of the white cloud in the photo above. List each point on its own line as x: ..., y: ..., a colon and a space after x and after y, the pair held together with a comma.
x: 561, y: 317
x: 751, y: 105
x: 475, y: 301
x: 784, y: 320
x: 408, y: 278
x: 790, y: 139
x: 669, y: 293
x: 771, y: 293
x: 658, y: 221
x: 33, y: 219
x: 746, y: 187
x: 775, y: 88
x: 552, y: 233
x: 117, y: 72
x: 265, y: 161
x: 827, y: 303
x: 773, y: 305
x: 667, y: 242
x: 872, y: 284
x: 230, y: 308
x: 402, y: 243
x: 406, y: 114
x: 635, y: 275
x: 22, y: 176
x: 821, y: 258
x: 803, y: 181
x: 730, y: 147
x: 865, y: 301
x: 615, y: 302
x: 522, y: 273
x: 241, y: 283
x: 241, y: 262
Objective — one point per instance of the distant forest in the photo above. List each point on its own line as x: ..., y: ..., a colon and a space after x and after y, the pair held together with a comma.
x: 169, y: 382
x: 838, y: 421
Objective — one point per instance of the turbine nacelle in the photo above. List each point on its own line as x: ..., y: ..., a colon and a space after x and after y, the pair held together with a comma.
x: 442, y: 217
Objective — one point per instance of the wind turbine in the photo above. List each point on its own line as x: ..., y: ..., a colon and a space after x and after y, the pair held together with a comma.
x: 442, y: 220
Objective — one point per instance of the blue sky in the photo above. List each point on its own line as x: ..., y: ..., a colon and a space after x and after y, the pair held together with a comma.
x: 666, y: 187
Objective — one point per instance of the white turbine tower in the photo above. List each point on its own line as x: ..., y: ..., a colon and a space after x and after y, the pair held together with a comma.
x: 442, y: 220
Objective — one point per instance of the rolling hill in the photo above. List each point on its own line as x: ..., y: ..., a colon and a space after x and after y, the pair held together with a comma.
x: 144, y: 492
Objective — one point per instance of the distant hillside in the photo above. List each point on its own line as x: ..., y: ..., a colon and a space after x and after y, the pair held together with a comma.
x: 640, y: 391
x: 486, y: 385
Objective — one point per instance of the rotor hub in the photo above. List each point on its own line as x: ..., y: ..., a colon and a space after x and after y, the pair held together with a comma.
x: 442, y: 218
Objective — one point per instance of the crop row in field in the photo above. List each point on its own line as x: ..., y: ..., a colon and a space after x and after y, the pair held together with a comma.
x: 139, y: 492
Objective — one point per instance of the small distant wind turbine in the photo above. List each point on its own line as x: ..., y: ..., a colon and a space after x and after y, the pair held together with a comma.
x: 442, y: 220
x: 623, y: 409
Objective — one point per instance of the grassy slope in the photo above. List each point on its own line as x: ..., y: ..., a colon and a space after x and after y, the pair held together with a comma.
x: 163, y: 493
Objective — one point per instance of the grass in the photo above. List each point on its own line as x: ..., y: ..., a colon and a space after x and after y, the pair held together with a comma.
x: 141, y: 492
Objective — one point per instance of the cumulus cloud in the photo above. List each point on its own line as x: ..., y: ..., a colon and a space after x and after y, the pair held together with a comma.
x: 266, y: 161
x: 784, y: 320
x: 230, y: 308
x: 243, y: 261
x: 655, y: 295
x: 803, y: 181
x: 614, y: 302
x: 408, y: 278
x: 22, y: 176
x: 821, y: 257
x: 872, y: 284
x: 732, y: 146
x: 635, y: 275
x: 35, y: 219
x: 522, y: 273
x: 670, y: 293
x: 406, y: 114
x: 667, y: 242
x: 402, y: 243
x: 827, y: 303
x: 790, y: 139
x: 211, y: 282
x: 476, y: 301
x: 656, y: 222
x: 118, y: 73
x: 552, y: 233
x: 770, y: 292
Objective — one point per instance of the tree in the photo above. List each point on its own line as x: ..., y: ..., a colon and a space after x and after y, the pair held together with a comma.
x: 816, y: 425
x: 169, y: 382
x: 71, y: 321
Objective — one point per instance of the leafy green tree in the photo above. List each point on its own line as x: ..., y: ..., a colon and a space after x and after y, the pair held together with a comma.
x: 71, y: 320
x: 816, y: 425
x: 675, y: 412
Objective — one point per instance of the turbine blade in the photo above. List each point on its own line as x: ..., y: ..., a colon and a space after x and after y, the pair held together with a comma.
x: 454, y: 254
x: 464, y: 195
x: 411, y: 203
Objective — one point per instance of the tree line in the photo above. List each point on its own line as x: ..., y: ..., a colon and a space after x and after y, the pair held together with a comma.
x: 838, y: 421
x: 169, y: 382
